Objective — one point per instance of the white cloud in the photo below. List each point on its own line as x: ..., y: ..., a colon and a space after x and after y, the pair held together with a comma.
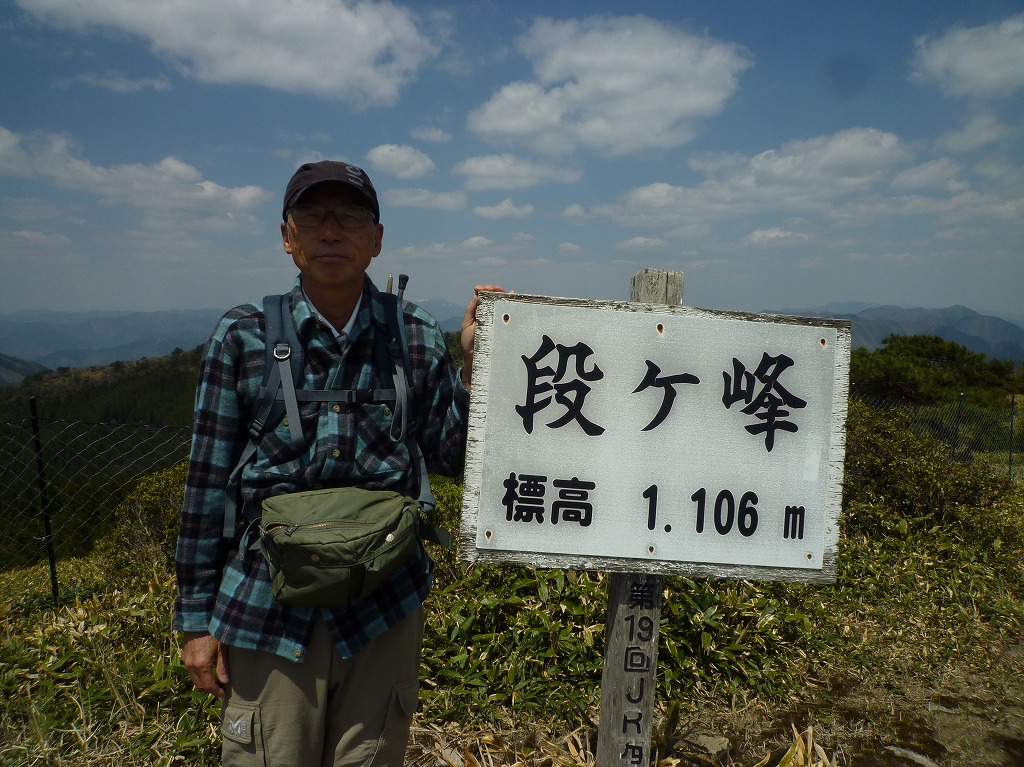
x: 488, y: 261
x: 504, y: 209
x: 614, y: 85
x: 846, y: 175
x: 805, y: 175
x: 42, y: 240
x: 641, y: 243
x: 570, y: 247
x: 801, y: 176
x: 985, y: 61
x: 121, y: 84
x: 433, y: 135
x: 425, y: 198
x: 403, y: 161
x: 475, y: 243
x: 164, y: 190
x: 775, y: 236
x: 981, y: 130
x: 855, y: 185
x: 506, y: 171
x: 854, y: 159
x: 574, y: 211
x: 335, y: 49
x: 939, y: 175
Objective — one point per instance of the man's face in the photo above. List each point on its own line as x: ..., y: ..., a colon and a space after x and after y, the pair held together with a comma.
x: 330, y: 256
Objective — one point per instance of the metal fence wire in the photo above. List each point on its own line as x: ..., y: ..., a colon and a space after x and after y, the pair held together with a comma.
x: 992, y: 436
x: 63, y: 481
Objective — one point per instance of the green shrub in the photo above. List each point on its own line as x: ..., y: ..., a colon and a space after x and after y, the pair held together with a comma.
x: 145, y: 529
x: 896, y: 481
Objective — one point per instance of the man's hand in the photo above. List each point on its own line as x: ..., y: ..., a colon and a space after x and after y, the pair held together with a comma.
x: 207, y: 662
x: 469, y: 331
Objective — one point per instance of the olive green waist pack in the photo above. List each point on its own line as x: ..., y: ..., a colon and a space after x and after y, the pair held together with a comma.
x: 331, y: 548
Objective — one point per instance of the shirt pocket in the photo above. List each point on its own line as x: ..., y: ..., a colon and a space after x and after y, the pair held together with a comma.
x: 277, y: 455
x: 375, y: 455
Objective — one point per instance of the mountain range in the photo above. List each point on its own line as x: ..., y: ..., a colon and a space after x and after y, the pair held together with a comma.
x: 33, y: 341
x: 992, y: 336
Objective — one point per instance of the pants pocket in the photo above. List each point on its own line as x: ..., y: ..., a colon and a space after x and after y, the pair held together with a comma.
x: 242, y: 735
x: 394, y: 737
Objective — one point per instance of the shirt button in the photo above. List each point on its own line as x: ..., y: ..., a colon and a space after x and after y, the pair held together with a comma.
x: 387, y: 410
x: 336, y: 453
x: 297, y: 653
x: 336, y: 408
x: 284, y: 421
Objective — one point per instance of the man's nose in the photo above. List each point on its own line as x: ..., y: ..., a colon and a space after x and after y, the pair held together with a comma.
x: 331, y: 228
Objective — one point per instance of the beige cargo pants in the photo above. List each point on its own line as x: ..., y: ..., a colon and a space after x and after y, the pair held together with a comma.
x: 325, y: 711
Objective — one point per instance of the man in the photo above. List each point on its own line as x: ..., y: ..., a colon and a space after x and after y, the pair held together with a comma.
x: 313, y: 686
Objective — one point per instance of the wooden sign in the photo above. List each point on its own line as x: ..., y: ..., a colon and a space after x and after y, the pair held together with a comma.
x: 641, y: 438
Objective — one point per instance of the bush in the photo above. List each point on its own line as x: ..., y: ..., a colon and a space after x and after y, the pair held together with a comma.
x: 896, y: 482
x: 145, y: 529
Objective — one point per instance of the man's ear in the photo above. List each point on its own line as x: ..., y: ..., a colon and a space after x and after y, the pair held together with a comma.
x: 380, y: 240
x: 286, y: 240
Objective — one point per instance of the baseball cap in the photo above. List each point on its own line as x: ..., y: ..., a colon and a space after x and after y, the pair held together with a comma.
x: 312, y: 173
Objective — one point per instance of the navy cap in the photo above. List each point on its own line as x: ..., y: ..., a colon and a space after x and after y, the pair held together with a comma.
x: 312, y: 173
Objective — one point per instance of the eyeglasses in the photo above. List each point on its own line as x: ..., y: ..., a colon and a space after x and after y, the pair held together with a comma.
x: 312, y: 216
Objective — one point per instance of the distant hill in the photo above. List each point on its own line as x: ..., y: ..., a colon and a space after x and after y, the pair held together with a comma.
x: 992, y: 336
x: 83, y: 339
x: 447, y: 314
x: 155, y: 391
x: 14, y: 370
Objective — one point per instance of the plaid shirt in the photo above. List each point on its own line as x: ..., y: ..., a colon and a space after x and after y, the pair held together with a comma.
x: 224, y: 588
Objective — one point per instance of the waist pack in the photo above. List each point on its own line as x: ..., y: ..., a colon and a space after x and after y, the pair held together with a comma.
x: 330, y: 548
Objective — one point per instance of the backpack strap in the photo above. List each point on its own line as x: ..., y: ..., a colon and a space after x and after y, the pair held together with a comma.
x: 402, y: 426
x: 279, y: 330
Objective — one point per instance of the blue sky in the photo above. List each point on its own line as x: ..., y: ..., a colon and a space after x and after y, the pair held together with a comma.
x: 781, y: 154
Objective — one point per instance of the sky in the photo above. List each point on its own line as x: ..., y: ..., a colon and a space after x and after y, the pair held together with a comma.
x: 782, y: 155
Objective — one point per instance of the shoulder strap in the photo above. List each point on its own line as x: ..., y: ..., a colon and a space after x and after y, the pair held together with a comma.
x: 393, y: 362
x: 284, y: 361
x: 279, y: 330
x: 403, y: 426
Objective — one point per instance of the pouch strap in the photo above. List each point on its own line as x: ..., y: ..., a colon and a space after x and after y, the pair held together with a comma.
x: 435, y: 534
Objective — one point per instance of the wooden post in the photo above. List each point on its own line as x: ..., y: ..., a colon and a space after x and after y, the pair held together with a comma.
x: 634, y: 616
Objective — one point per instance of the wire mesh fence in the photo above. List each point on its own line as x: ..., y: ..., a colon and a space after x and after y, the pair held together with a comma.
x: 989, y: 435
x: 63, y: 480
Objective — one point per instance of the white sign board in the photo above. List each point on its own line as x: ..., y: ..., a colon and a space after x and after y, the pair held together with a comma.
x: 636, y: 438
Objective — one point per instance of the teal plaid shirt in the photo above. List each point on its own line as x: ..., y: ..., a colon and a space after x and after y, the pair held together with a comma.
x: 224, y: 587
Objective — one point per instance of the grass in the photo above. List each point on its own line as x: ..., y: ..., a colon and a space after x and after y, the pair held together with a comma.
x: 929, y: 597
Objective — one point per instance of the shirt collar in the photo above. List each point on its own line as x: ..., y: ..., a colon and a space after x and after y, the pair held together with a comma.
x: 345, y: 331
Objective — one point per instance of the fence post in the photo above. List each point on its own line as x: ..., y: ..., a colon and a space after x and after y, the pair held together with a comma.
x: 44, y: 505
x: 1013, y: 409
